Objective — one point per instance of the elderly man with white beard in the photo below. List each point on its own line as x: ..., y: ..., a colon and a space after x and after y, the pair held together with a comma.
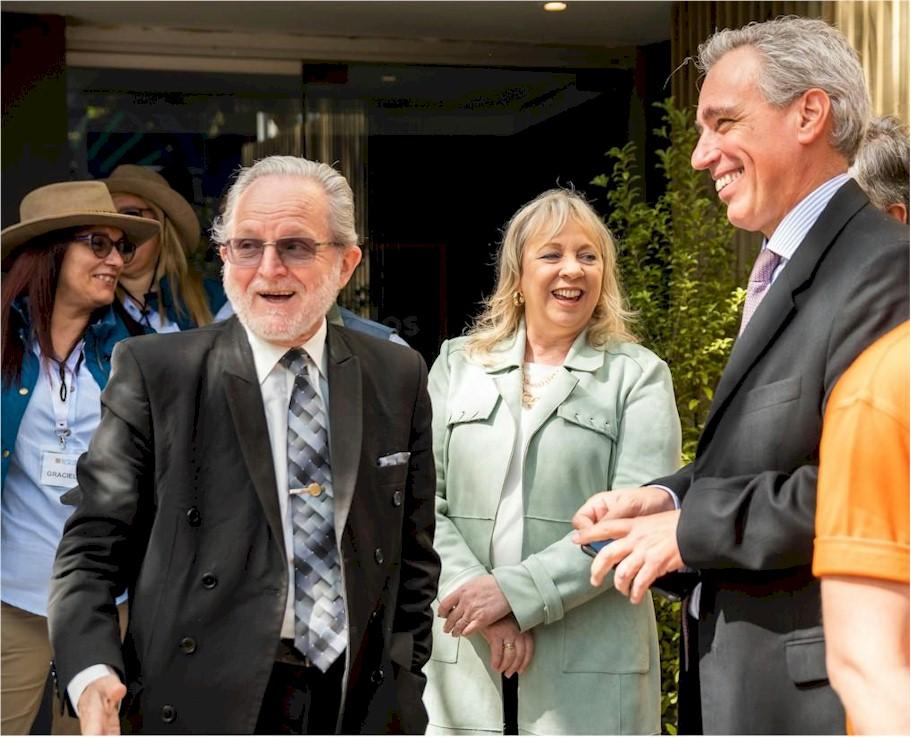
x: 263, y: 489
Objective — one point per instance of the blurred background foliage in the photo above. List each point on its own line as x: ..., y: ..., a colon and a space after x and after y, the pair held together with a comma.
x: 679, y: 271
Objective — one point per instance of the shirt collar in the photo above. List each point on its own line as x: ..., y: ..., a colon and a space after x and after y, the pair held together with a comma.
x: 266, y: 355
x: 797, y: 223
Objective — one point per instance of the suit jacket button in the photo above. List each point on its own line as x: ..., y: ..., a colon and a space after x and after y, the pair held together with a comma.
x: 373, y: 616
x: 6, y: 453
x: 209, y: 580
x: 187, y: 645
x: 168, y: 714
x: 397, y: 498
x: 23, y: 391
x: 377, y: 676
x: 194, y: 518
x: 378, y: 556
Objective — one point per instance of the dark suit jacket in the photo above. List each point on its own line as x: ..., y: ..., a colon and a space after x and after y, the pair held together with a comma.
x: 749, y: 499
x: 179, y: 507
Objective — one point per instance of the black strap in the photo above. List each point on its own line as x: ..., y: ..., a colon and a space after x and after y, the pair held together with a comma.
x: 134, y: 327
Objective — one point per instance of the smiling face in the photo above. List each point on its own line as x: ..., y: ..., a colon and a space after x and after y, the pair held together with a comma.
x: 146, y: 256
x: 279, y: 304
x: 750, y: 147
x: 85, y: 282
x: 561, y: 281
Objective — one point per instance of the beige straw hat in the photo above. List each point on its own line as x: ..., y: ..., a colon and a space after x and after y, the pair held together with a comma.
x: 68, y: 205
x: 151, y: 186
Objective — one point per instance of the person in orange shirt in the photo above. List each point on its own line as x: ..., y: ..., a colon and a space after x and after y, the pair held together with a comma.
x: 861, y: 546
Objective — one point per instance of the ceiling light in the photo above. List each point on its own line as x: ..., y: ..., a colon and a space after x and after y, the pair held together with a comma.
x: 554, y: 7
x: 389, y: 78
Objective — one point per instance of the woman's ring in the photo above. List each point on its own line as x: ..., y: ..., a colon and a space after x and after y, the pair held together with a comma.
x: 509, y: 646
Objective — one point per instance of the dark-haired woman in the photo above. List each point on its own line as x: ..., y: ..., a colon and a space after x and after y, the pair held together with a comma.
x: 61, y: 263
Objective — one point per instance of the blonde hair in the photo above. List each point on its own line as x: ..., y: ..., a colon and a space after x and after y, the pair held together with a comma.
x: 543, y: 218
x: 184, y: 280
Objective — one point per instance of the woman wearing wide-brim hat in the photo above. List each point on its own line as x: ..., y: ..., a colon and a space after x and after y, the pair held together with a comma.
x: 160, y: 290
x: 61, y: 263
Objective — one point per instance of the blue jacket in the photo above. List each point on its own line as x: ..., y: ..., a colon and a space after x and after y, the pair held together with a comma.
x: 215, y: 297
x: 100, y: 337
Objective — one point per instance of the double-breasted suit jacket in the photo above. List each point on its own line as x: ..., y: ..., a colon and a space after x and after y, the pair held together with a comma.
x: 749, y: 498
x: 607, y: 419
x: 179, y: 506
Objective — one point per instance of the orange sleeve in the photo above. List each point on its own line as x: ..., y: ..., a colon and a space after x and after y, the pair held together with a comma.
x: 862, y: 499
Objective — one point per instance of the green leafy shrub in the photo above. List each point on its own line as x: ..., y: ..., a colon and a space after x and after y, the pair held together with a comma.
x: 678, y: 269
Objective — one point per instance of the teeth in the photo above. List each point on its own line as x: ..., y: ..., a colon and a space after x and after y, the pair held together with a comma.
x: 107, y: 278
x: 724, y: 181
x: 571, y: 294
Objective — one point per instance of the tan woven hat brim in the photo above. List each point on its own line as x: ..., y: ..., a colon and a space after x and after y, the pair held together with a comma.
x: 138, y: 230
x: 126, y: 179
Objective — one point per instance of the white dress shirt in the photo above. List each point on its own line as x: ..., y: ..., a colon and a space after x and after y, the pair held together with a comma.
x: 276, y: 384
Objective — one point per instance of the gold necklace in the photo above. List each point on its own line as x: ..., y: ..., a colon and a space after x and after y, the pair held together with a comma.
x: 528, y: 397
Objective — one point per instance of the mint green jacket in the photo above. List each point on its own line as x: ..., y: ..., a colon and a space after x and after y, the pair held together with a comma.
x: 607, y: 420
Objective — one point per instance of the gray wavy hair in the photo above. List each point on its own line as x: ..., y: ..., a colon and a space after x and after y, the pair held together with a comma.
x: 881, y: 166
x: 799, y: 54
x: 338, y: 192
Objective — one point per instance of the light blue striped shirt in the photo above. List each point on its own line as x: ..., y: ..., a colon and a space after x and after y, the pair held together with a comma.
x: 798, y: 222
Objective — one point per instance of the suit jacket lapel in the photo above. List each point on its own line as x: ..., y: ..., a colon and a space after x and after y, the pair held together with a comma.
x: 779, y: 304
x: 345, y: 423
x: 246, y: 403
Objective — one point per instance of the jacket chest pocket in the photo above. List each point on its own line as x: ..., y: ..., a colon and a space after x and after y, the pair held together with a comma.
x: 477, y: 454
x: 590, y: 439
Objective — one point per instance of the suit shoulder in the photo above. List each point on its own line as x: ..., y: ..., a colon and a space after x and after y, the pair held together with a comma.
x: 633, y: 353
x: 163, y: 346
x: 376, y: 348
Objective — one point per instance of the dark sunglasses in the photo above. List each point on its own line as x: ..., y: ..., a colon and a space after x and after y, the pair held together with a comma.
x: 102, y: 244
x: 137, y: 212
x: 296, y: 250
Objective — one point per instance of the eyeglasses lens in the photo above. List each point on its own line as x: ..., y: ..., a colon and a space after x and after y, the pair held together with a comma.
x: 101, y: 246
x: 292, y: 251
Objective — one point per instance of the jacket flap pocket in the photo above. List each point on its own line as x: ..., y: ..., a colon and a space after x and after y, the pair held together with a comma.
x: 473, y: 403
x: 806, y: 660
x: 775, y: 393
x: 589, y: 416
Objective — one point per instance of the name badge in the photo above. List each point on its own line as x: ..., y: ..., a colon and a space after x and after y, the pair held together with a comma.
x: 58, y: 469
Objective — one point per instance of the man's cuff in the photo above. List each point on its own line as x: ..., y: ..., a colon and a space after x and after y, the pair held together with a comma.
x: 671, y: 492
x: 82, y: 680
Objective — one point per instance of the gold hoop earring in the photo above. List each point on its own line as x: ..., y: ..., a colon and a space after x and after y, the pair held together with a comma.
x: 518, y: 299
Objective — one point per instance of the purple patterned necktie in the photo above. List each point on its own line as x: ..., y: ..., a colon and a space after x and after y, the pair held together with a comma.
x: 760, y: 281
x: 320, y: 626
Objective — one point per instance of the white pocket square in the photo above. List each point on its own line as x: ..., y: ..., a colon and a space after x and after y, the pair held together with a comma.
x: 394, y: 459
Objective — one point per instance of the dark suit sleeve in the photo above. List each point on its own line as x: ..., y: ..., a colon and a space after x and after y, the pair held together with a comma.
x: 97, y: 556
x: 420, y: 563
x: 766, y: 520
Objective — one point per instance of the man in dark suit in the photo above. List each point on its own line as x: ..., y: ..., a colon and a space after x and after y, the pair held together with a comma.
x: 263, y: 488
x: 781, y: 113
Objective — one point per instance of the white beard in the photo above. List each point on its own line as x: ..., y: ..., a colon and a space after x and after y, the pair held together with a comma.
x: 275, y: 324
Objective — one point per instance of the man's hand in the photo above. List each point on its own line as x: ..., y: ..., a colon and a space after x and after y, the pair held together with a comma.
x: 99, y: 706
x: 643, y: 549
x: 510, y: 649
x: 475, y: 605
x: 630, y: 502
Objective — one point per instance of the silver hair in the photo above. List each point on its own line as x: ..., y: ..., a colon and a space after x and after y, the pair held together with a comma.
x: 338, y: 193
x: 799, y: 54
x: 881, y: 166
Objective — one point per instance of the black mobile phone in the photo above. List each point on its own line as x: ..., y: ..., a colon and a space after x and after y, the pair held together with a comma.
x: 672, y: 586
x: 592, y: 548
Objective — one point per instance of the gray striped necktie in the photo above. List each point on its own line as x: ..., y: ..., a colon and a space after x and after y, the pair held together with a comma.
x: 320, y: 626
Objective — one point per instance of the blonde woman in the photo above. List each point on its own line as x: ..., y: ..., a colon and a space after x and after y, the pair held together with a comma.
x: 545, y: 401
x: 160, y: 290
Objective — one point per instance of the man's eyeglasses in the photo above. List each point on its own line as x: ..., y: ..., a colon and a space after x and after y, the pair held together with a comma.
x: 138, y: 212
x: 293, y: 251
x: 102, y: 244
